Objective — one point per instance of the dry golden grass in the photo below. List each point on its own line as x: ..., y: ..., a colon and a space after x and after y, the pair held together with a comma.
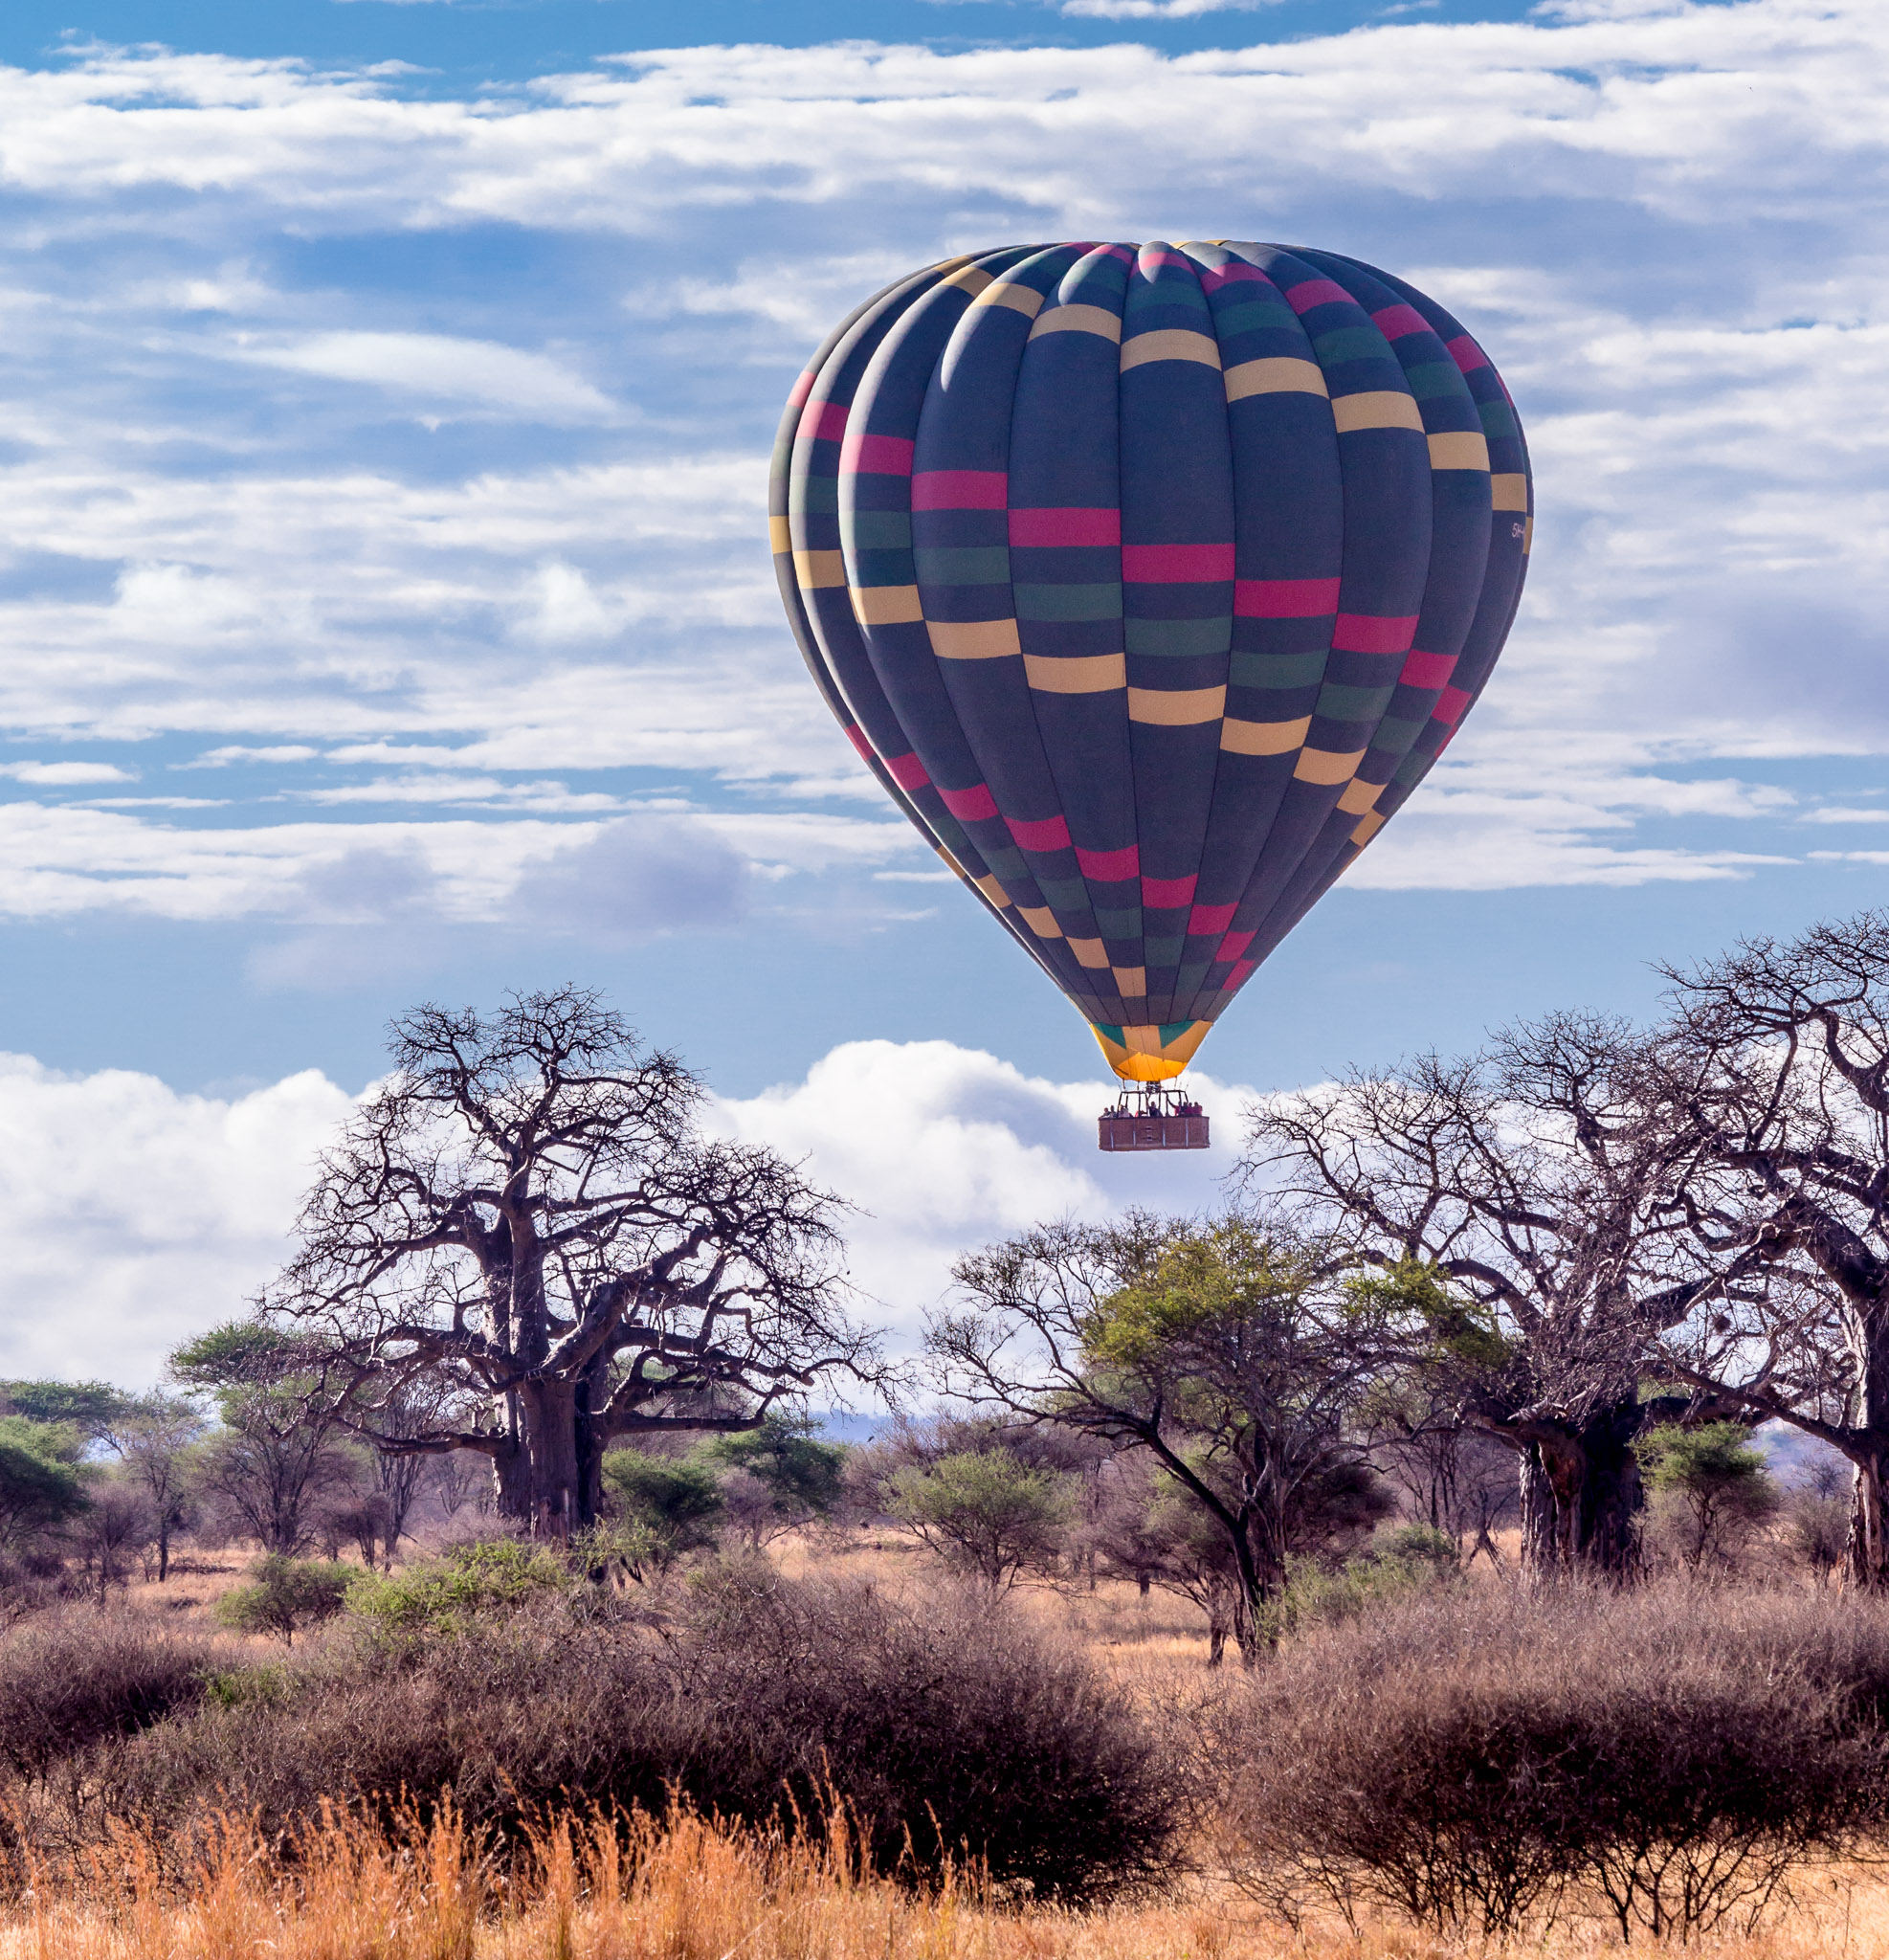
x: 697, y: 1892
x: 694, y: 1891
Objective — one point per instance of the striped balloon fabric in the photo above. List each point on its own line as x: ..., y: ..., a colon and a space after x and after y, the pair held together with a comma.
x: 1149, y: 581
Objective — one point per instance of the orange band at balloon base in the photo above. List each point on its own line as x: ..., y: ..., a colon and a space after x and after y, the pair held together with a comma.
x: 1156, y: 1052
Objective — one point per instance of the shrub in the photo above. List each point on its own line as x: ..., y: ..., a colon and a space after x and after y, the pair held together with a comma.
x: 671, y: 1506
x: 950, y: 1731
x: 1467, y: 1758
x: 69, y: 1679
x: 1406, y: 1560
x: 439, y: 1596
x: 284, y: 1596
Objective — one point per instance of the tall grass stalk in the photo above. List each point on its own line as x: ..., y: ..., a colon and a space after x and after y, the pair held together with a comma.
x: 590, y: 1888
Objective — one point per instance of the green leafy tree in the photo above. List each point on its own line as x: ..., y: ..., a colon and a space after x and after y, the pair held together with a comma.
x: 784, y: 1472
x: 41, y: 1487
x: 671, y: 1506
x: 1713, y: 1480
x: 88, y: 1407
x: 280, y: 1449
x: 984, y: 1512
x: 1224, y: 1349
x: 284, y: 1596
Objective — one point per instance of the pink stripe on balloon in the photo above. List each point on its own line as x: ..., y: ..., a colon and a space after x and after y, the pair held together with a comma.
x: 823, y: 421
x: 1241, y: 970
x: 1466, y: 354
x: 1235, y: 270
x: 1175, y: 564
x: 1449, y: 707
x: 908, y: 772
x: 959, y: 490
x: 1393, y: 322
x: 1427, y: 670
x: 1165, y: 893
x: 1110, y: 867
x: 876, y: 455
x: 1285, y: 598
x: 1232, y: 945
x: 802, y: 388
x: 1046, y: 834
x: 1211, y: 918
x: 860, y: 742
x: 1366, y: 633
x: 1072, y: 525
x: 967, y: 806
x: 1310, y: 293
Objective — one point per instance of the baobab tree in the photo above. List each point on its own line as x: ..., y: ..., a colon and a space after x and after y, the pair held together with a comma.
x: 527, y: 1219
x: 1529, y: 1184
x: 1777, y: 1085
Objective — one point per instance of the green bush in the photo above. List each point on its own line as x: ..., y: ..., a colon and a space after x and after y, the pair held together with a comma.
x: 673, y: 1504
x: 440, y: 1595
x: 284, y: 1596
x: 1398, y: 1564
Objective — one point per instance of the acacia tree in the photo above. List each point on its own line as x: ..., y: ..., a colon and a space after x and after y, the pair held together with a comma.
x: 1220, y: 1349
x: 526, y: 1215
x: 1521, y: 1198
x: 1776, y: 1082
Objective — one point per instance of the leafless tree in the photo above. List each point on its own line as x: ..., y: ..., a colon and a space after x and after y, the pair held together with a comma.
x: 1778, y: 1084
x: 527, y: 1215
x: 1528, y: 1183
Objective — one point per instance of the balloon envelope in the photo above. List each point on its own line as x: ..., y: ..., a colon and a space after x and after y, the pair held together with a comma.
x: 1149, y: 581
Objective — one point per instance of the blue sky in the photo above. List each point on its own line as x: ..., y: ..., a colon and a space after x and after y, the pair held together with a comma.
x: 387, y: 392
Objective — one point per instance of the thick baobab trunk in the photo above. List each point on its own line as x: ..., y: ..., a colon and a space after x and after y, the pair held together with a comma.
x: 549, y: 1472
x: 1582, y: 1497
x: 1866, y: 1564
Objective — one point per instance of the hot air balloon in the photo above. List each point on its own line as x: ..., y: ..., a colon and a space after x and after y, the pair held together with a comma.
x: 1149, y: 581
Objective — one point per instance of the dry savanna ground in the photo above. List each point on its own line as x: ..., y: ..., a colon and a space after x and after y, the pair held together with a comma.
x: 692, y: 1890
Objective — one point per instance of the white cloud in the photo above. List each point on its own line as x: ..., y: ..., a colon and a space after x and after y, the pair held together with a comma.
x: 633, y: 874
x: 1158, y: 10
x: 283, y: 573
x: 58, y: 775
x: 141, y: 1214
x: 944, y: 1147
x: 529, y: 385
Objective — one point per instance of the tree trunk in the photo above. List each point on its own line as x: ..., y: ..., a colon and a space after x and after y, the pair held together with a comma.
x: 163, y: 1545
x: 1866, y: 1563
x: 1581, y: 1498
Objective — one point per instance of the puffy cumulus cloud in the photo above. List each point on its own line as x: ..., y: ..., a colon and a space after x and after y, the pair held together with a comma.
x: 141, y: 1215
x: 942, y: 1149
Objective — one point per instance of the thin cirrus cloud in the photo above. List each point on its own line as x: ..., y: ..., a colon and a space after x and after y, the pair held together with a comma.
x: 437, y: 365
x: 245, y: 540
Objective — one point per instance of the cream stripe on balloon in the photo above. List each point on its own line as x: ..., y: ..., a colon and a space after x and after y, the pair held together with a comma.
x: 1096, y: 319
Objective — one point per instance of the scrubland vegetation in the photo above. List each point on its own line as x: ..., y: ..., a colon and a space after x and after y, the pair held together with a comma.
x: 1472, y: 1536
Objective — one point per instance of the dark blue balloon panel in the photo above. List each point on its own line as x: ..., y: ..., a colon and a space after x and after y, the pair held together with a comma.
x: 1149, y: 581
